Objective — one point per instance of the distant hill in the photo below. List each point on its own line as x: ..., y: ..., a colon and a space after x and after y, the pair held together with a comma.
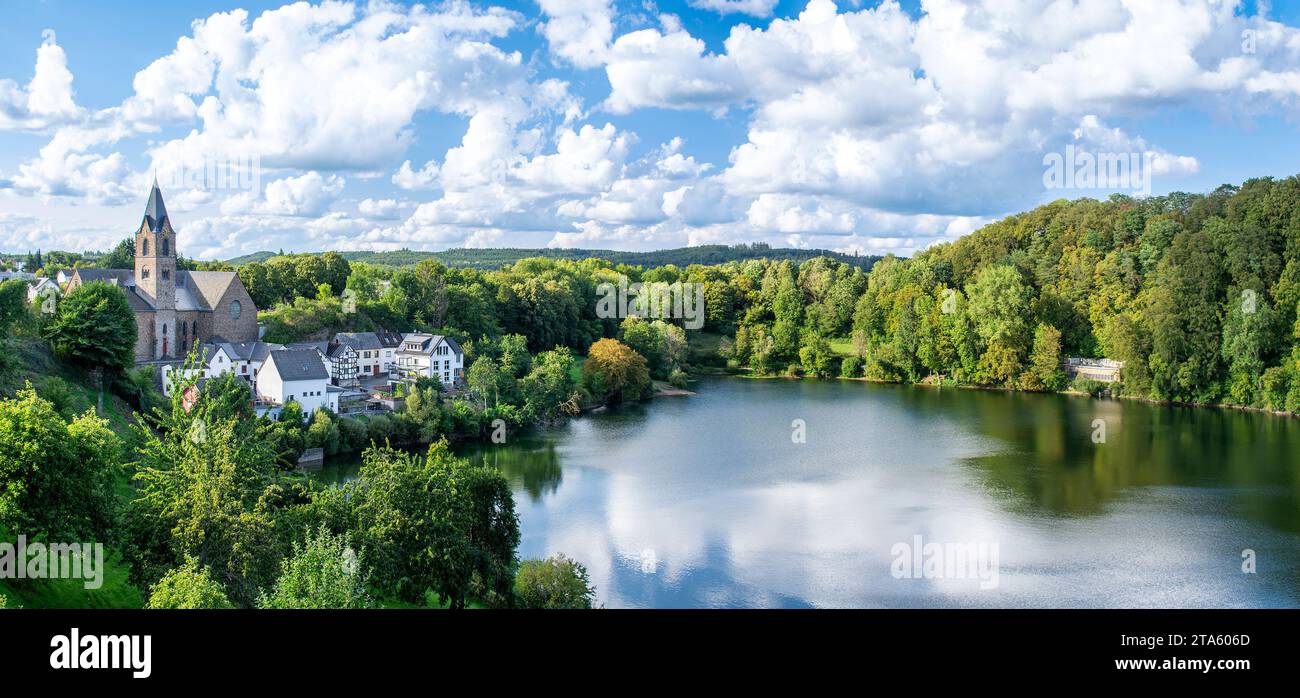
x: 495, y: 258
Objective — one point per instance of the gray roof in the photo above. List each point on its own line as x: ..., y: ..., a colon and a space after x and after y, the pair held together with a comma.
x: 389, y: 339
x: 155, y: 213
x: 298, y: 364
x: 428, y: 342
x: 358, y: 340
x: 195, y: 290
x: 321, y: 347
x: 249, y: 351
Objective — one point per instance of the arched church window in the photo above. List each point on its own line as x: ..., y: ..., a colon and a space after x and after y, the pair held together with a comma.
x: 166, y: 247
x: 196, y: 328
x: 164, y: 330
x: 144, y: 247
x: 236, y: 309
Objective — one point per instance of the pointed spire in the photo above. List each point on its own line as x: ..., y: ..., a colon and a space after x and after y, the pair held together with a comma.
x: 155, y: 213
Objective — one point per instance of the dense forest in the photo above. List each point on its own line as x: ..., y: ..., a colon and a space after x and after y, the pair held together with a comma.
x: 496, y: 258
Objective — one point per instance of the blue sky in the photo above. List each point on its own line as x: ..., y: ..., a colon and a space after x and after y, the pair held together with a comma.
x: 871, y: 126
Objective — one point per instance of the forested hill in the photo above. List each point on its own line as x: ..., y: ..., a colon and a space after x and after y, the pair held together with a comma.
x: 498, y: 257
x: 1197, y: 294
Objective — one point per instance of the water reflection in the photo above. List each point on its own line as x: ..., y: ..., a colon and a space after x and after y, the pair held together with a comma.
x: 733, y: 513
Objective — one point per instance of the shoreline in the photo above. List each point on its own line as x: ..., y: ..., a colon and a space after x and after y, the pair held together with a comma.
x: 989, y: 388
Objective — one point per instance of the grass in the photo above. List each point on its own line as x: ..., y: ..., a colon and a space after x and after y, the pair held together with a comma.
x: 116, y: 591
x: 842, y: 347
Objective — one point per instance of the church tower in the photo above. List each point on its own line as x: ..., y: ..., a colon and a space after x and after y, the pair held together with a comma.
x: 155, y: 271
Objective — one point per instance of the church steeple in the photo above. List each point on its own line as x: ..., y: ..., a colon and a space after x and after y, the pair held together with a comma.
x: 155, y: 254
x: 155, y: 212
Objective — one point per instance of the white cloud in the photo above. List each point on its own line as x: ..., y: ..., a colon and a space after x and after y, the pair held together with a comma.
x: 309, y: 195
x: 380, y: 208
x: 578, y: 31
x: 424, y: 178
x: 754, y: 8
x: 47, y: 100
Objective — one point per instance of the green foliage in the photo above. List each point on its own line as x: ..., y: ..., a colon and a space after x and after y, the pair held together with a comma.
x: 435, y: 523
x: 188, y: 587
x: 614, y: 372
x: 56, y: 477
x: 94, y: 327
x: 323, y: 572
x: 13, y: 305
x: 556, y: 582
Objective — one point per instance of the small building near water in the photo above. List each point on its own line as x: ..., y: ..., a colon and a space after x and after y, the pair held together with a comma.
x: 1104, y: 370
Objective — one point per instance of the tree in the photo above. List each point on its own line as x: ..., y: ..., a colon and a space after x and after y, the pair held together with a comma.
x: 556, y: 582
x: 13, y: 304
x: 94, y: 327
x: 56, y: 477
x: 323, y: 572
x: 189, y: 587
x: 207, y: 489
x: 434, y: 523
x: 1044, y: 372
x: 614, y: 372
x: 485, y: 380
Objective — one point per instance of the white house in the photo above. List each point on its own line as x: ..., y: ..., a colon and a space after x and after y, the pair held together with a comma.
x: 297, y: 375
x: 389, y: 342
x: 43, y: 288
x: 431, y: 356
x: 244, y: 359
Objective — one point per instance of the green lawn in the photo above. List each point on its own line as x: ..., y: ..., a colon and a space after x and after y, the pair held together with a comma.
x: 842, y: 347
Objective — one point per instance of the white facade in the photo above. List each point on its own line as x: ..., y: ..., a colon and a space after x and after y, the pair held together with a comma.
x: 298, y: 376
x: 430, y: 356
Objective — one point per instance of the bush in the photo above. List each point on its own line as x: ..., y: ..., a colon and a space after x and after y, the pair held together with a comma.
x: 679, y: 379
x: 353, y: 435
x: 556, y: 582
x: 189, y: 586
x: 325, y: 572
x: 851, y: 367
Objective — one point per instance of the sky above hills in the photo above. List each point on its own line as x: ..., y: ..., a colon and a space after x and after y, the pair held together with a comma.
x: 624, y: 124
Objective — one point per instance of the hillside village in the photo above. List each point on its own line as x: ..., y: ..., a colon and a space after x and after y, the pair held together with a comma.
x: 212, y: 313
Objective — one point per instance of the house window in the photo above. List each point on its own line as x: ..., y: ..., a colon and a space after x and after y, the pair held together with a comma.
x: 236, y: 309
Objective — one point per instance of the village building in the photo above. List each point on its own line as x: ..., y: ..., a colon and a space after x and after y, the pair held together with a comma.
x: 175, y: 308
x: 368, y: 350
x: 431, y: 356
x: 296, y: 375
x: 389, y: 342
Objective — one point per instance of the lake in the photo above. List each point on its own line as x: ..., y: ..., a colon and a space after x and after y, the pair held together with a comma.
x: 903, y: 496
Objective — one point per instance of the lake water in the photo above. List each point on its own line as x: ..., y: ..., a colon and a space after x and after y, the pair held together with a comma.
x: 707, y: 501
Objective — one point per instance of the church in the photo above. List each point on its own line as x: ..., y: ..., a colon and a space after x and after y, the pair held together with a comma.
x: 175, y: 308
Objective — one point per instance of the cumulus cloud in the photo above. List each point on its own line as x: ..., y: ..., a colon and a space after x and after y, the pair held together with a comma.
x: 866, y: 130
x: 47, y: 100
x: 308, y: 195
x: 754, y: 8
x: 578, y: 31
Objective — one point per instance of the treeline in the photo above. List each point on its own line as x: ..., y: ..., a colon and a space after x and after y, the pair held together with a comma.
x: 1196, y: 294
x: 495, y: 258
